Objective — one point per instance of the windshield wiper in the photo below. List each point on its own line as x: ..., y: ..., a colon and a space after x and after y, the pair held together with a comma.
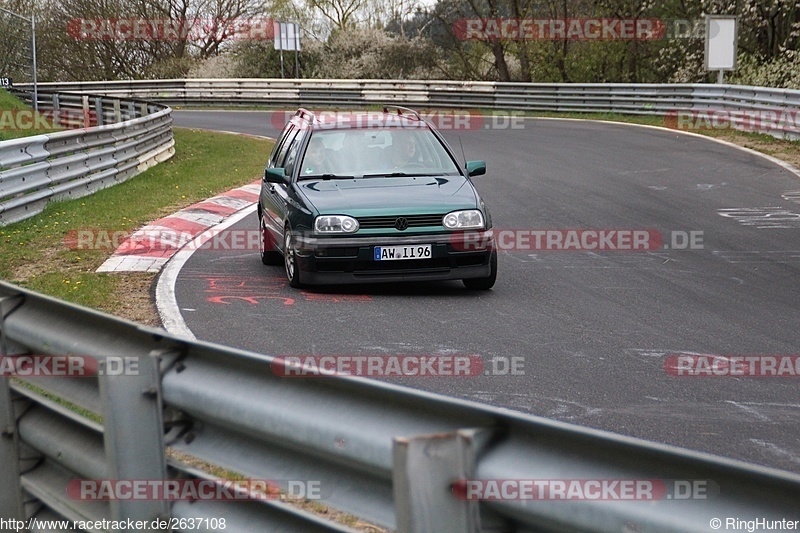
x: 326, y: 177
x: 403, y: 175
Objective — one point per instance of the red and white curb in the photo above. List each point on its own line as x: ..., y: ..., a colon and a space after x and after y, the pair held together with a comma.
x: 150, y: 247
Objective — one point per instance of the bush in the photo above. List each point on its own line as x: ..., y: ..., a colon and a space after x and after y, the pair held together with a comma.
x: 362, y: 53
x: 372, y: 53
x: 782, y: 71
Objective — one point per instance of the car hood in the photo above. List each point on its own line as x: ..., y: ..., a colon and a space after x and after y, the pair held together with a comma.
x: 377, y: 196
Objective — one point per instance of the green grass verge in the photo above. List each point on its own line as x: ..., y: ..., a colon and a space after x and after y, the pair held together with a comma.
x: 9, y: 102
x: 94, y: 417
x: 34, y: 251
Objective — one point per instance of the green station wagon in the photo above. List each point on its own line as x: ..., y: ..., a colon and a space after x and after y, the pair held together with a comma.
x: 367, y: 197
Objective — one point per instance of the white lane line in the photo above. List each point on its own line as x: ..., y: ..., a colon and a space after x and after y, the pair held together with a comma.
x: 750, y: 410
x: 166, y: 302
x: 777, y: 450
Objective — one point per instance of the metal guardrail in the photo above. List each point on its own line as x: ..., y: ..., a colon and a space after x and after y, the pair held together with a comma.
x: 115, y: 139
x: 744, y: 102
x: 386, y: 454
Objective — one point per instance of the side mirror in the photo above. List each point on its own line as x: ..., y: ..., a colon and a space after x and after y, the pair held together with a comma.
x: 276, y: 175
x: 476, y: 168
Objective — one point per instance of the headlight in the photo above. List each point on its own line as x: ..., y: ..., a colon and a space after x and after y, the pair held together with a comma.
x: 335, y: 224
x: 470, y: 219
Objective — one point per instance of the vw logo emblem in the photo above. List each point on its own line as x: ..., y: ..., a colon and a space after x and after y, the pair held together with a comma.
x: 401, y: 223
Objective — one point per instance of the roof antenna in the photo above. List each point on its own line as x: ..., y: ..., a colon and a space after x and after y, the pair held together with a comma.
x: 462, y: 151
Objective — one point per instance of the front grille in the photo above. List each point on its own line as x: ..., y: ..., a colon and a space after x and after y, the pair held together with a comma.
x: 414, y: 221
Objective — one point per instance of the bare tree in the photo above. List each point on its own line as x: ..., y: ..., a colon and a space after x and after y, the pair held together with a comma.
x: 16, y: 59
x: 342, y: 14
x: 205, y: 27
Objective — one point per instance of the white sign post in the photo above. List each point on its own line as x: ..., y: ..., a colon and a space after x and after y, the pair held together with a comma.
x: 287, y: 37
x: 721, y: 43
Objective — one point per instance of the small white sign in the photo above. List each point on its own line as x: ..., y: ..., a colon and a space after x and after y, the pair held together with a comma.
x: 721, y: 42
x: 287, y: 36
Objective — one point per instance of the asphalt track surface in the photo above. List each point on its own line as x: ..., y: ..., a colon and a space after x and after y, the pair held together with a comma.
x: 594, y: 329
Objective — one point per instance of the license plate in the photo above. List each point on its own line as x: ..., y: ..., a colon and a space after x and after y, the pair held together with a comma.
x: 394, y: 253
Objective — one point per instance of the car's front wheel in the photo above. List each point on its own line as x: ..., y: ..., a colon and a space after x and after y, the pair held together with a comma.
x: 484, y: 284
x: 269, y: 255
x: 290, y: 259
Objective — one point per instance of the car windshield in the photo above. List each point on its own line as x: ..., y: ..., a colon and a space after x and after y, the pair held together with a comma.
x: 375, y: 153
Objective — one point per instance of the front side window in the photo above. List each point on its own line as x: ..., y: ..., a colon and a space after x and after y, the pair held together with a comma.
x: 282, y: 147
x: 291, y: 155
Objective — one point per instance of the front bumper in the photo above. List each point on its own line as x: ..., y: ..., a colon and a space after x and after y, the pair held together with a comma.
x: 348, y: 260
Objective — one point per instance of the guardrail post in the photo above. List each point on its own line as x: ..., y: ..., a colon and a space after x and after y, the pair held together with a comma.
x: 98, y: 109
x: 117, y: 111
x: 425, y: 468
x: 133, y: 430
x: 11, y: 502
x: 11, y: 499
x: 87, y: 120
x: 56, y: 110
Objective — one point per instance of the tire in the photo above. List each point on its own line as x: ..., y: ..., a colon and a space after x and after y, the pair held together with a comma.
x: 266, y: 244
x: 290, y: 259
x: 483, y: 284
